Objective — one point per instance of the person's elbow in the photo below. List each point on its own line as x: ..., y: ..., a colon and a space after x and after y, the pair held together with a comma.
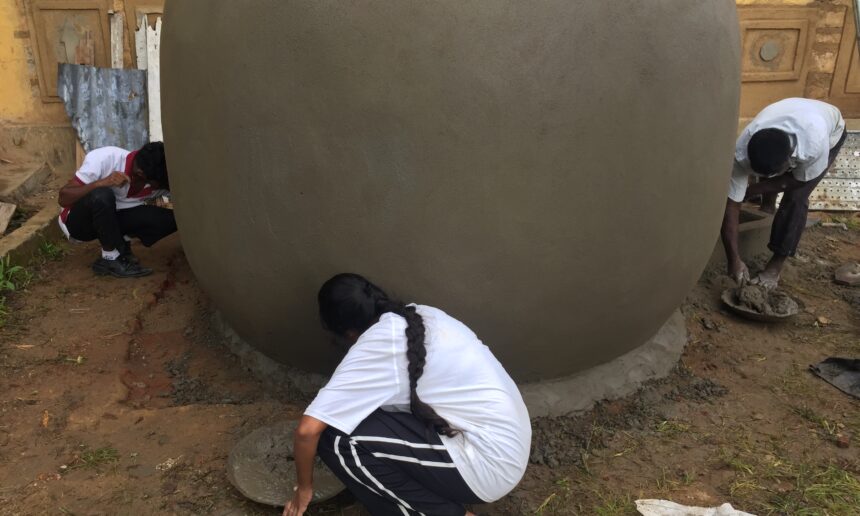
x: 309, y: 429
x: 63, y: 200
x: 732, y: 205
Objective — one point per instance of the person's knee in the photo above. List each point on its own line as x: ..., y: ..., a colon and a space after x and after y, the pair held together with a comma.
x: 168, y: 221
x: 160, y: 224
x: 103, y: 197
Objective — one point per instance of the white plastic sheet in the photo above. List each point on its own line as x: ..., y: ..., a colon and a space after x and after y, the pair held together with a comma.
x: 667, y: 508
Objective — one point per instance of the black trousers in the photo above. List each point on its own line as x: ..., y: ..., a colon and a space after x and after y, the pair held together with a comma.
x: 790, y: 219
x: 95, y: 216
x: 394, y: 466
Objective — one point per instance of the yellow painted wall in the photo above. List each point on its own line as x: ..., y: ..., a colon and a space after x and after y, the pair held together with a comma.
x: 20, y: 99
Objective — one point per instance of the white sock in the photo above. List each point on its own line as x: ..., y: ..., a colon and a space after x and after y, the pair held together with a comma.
x: 110, y: 255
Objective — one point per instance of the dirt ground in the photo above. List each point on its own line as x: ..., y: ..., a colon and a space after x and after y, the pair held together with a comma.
x: 116, y: 398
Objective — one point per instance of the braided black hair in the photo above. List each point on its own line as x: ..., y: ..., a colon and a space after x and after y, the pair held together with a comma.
x: 349, y: 302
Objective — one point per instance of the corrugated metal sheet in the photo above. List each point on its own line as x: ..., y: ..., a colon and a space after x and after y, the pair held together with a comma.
x: 840, y: 188
x: 106, y: 106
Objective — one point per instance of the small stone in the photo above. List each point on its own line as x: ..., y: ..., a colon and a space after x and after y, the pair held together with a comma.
x: 758, y: 416
x: 843, y: 440
x: 823, y: 321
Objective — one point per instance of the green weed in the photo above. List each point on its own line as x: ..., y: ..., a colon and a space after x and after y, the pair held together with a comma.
x: 672, y: 428
x: 826, y: 428
x: 49, y: 251
x: 614, y: 506
x: 12, y: 277
x: 95, y: 459
x: 828, y: 491
x: 558, y: 500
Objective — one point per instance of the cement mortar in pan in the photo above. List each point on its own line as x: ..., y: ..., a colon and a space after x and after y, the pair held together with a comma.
x: 520, y: 165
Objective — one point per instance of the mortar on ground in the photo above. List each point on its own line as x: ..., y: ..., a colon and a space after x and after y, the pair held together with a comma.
x: 262, y: 468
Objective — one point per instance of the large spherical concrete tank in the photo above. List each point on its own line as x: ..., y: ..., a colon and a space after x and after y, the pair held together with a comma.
x: 551, y: 173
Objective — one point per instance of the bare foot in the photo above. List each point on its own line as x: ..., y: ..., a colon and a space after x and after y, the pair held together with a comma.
x: 767, y: 280
x: 769, y: 277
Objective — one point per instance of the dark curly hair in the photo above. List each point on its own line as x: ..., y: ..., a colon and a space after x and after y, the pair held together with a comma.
x: 349, y: 302
x: 151, y: 161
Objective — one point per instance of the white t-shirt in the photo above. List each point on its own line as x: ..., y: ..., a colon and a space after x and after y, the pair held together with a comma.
x: 462, y: 381
x: 99, y: 164
x: 814, y: 127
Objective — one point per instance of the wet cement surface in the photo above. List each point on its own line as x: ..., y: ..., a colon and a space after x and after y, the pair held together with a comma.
x: 474, y: 167
x: 261, y: 467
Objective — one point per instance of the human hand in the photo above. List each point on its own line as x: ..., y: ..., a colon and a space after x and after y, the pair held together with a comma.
x: 739, y: 272
x: 115, y: 179
x: 299, y: 504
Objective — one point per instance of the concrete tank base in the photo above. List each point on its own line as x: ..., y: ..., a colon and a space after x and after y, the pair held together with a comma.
x: 615, y: 379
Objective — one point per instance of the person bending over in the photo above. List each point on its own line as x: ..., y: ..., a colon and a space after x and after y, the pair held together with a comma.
x: 789, y: 146
x: 419, y: 417
x: 106, y: 201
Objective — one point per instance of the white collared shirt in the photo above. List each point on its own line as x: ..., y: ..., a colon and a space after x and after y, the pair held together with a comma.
x: 814, y: 126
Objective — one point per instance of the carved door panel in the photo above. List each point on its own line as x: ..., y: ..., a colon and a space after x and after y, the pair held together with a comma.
x: 775, y: 54
x: 68, y: 31
x: 845, y: 88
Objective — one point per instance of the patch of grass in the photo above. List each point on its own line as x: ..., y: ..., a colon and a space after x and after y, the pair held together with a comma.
x: 827, y: 429
x: 49, y: 251
x: 95, y: 459
x: 12, y: 277
x: 672, y: 428
x: 558, y: 501
x: 794, y: 382
x: 613, y: 505
x: 767, y: 482
x: 826, y: 491
x: 852, y: 223
x: 737, y: 463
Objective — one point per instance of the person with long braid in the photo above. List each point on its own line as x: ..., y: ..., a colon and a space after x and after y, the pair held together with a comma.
x: 418, y: 418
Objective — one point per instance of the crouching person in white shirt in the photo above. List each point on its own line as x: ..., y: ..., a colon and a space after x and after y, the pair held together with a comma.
x: 789, y: 147
x: 419, y: 417
x: 106, y: 200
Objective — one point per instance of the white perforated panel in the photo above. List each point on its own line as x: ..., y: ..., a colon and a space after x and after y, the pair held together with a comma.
x: 840, y: 188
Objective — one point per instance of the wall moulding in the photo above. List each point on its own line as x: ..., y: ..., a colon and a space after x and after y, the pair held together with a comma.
x: 845, y: 87
x: 67, y: 31
x: 776, y: 53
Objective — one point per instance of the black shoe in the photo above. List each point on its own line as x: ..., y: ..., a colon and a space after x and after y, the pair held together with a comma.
x: 120, y: 268
x: 125, y: 252
x: 129, y: 257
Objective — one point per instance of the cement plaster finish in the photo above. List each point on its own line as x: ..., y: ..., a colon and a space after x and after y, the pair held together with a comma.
x: 572, y: 394
x: 613, y: 380
x: 520, y: 165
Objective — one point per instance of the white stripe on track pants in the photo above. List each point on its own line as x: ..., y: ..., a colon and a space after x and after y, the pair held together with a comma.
x: 394, y: 465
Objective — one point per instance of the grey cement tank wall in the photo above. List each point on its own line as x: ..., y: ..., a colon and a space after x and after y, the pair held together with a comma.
x: 551, y: 173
